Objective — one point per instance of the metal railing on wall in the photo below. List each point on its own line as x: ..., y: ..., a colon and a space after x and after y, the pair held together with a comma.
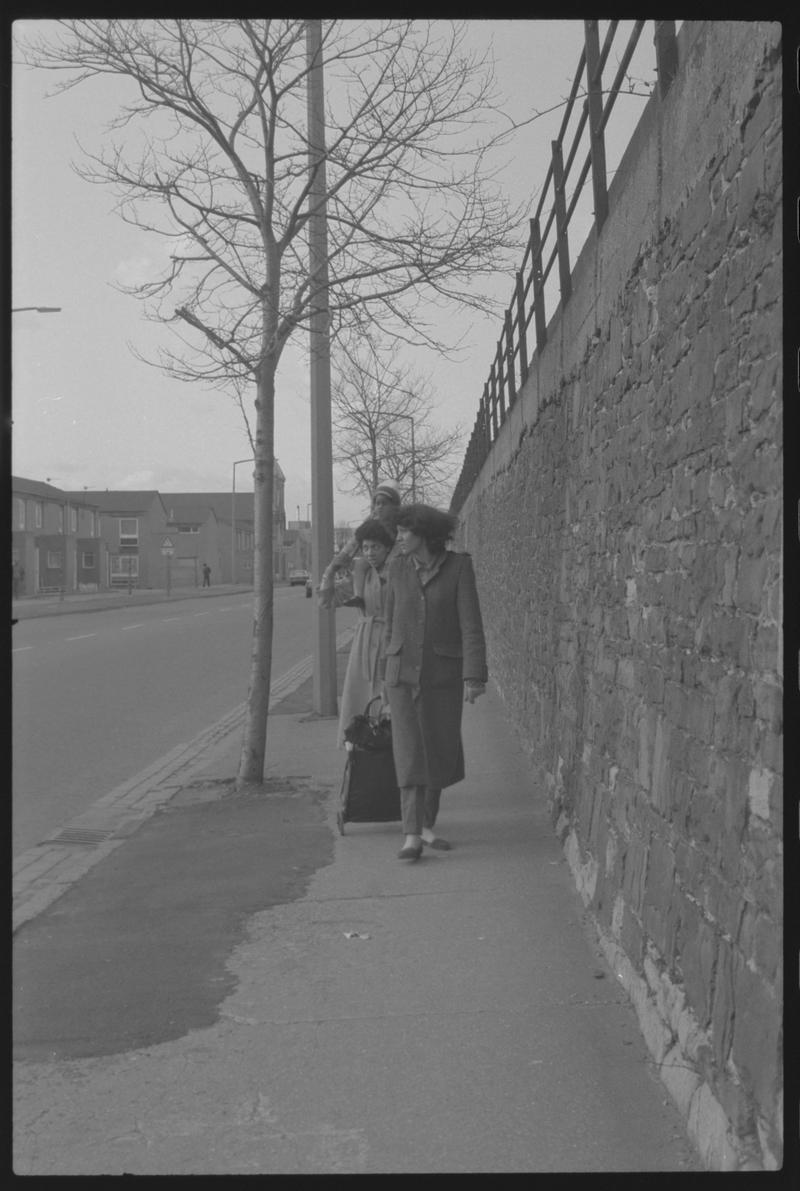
x: 548, y: 241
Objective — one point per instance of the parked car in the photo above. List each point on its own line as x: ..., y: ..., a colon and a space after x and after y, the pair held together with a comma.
x: 298, y: 578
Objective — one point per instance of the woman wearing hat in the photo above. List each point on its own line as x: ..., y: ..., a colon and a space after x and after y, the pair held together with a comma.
x: 434, y: 661
x: 385, y: 503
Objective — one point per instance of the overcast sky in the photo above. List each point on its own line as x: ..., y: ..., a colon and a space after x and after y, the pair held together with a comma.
x: 87, y: 413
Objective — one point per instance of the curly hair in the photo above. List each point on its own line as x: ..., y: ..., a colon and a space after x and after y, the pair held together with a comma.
x: 434, y: 526
x: 374, y: 530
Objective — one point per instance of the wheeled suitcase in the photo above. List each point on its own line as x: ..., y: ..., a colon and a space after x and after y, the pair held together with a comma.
x: 369, y: 791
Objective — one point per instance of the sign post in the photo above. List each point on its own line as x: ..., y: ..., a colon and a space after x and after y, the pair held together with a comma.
x: 167, y: 549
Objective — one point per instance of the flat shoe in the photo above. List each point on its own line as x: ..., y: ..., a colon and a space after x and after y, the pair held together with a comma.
x: 410, y: 853
x: 441, y: 845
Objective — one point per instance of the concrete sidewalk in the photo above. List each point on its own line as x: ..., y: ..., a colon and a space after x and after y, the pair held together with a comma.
x: 30, y: 607
x: 452, y: 1015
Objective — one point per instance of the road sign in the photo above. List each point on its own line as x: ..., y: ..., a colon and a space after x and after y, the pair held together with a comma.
x: 167, y: 544
x: 167, y: 551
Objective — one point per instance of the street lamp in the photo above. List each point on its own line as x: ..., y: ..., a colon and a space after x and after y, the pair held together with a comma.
x: 413, y: 455
x: 38, y: 309
x: 250, y: 459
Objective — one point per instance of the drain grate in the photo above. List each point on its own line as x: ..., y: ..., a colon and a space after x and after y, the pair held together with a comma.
x: 79, y: 835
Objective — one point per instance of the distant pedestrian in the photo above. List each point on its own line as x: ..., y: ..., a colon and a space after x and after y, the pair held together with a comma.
x: 206, y: 575
x: 434, y: 661
x: 14, y: 581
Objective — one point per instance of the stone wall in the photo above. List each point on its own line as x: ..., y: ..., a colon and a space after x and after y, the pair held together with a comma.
x: 627, y: 534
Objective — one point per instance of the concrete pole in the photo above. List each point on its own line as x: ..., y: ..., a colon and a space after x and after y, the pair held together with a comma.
x: 324, y: 623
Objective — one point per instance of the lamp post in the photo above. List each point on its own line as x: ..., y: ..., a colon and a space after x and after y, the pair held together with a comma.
x: 250, y: 459
x: 38, y: 309
x: 409, y: 418
x: 323, y: 619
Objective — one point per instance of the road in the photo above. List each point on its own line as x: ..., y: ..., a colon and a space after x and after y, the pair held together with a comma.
x: 99, y: 696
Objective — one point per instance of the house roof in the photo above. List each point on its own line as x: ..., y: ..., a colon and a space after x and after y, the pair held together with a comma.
x: 21, y: 486
x: 123, y: 502
x: 188, y: 514
x: 220, y: 502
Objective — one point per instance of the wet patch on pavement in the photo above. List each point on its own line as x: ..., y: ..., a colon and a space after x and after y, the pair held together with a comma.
x: 135, y: 953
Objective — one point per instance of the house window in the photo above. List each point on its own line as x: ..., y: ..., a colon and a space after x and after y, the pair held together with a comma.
x: 60, y: 519
x: 87, y: 560
x: 19, y: 513
x: 129, y: 531
x: 37, y: 514
x: 188, y: 528
x: 73, y: 520
x: 54, y: 560
x: 123, y: 565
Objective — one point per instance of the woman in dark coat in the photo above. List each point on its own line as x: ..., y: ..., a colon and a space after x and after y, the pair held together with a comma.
x: 435, y: 660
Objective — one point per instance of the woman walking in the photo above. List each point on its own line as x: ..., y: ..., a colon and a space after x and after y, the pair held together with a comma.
x: 435, y: 660
x: 363, y: 588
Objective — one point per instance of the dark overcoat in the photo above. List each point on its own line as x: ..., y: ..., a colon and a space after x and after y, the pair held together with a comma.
x: 433, y: 641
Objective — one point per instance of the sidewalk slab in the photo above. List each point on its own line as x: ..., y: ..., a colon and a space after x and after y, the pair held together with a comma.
x: 452, y: 1015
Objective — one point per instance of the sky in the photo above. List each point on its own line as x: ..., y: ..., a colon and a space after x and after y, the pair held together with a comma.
x: 88, y: 414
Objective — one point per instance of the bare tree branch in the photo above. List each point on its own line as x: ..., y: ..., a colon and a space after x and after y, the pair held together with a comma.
x: 209, y: 150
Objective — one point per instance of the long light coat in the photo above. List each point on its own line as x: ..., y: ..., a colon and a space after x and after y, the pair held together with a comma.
x: 362, y: 682
x: 433, y: 640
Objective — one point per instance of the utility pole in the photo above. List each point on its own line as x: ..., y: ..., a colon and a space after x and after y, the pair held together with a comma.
x: 324, y: 623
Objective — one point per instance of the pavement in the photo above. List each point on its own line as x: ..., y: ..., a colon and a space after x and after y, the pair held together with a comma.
x: 224, y: 984
x: 28, y: 607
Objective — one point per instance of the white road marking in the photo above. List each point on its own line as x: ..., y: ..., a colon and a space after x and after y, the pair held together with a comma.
x: 202, y: 613
x: 82, y: 637
x: 125, y: 627
x: 20, y: 648
x: 166, y: 618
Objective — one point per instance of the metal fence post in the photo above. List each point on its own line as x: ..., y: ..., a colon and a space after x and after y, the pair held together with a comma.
x: 522, y: 335
x: 561, y: 223
x: 512, y: 383
x: 493, y: 402
x: 666, y: 54
x: 596, y: 140
x: 483, y: 413
x: 538, y: 285
x: 501, y: 382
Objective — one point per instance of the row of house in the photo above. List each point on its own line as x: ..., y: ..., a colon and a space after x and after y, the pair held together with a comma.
x: 96, y: 540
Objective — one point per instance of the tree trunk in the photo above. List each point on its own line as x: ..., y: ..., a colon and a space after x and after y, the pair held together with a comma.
x: 254, y: 743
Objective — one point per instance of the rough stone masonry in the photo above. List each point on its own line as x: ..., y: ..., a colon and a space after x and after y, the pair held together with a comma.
x: 627, y: 533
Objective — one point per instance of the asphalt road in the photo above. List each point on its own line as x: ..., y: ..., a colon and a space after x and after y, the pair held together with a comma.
x: 99, y: 696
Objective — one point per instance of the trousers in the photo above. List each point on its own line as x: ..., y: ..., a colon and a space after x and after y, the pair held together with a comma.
x: 419, y: 806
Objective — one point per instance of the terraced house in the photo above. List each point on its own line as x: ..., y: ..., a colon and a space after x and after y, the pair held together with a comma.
x: 56, y: 544
x: 133, y: 526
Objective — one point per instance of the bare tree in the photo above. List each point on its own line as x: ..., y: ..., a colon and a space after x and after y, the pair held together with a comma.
x: 209, y: 149
x: 382, y: 424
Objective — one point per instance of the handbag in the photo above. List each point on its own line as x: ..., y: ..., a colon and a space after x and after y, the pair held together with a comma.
x: 369, y: 791
x: 370, y: 732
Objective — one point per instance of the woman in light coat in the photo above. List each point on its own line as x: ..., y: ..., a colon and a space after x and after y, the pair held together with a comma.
x: 364, y: 588
x: 434, y: 661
